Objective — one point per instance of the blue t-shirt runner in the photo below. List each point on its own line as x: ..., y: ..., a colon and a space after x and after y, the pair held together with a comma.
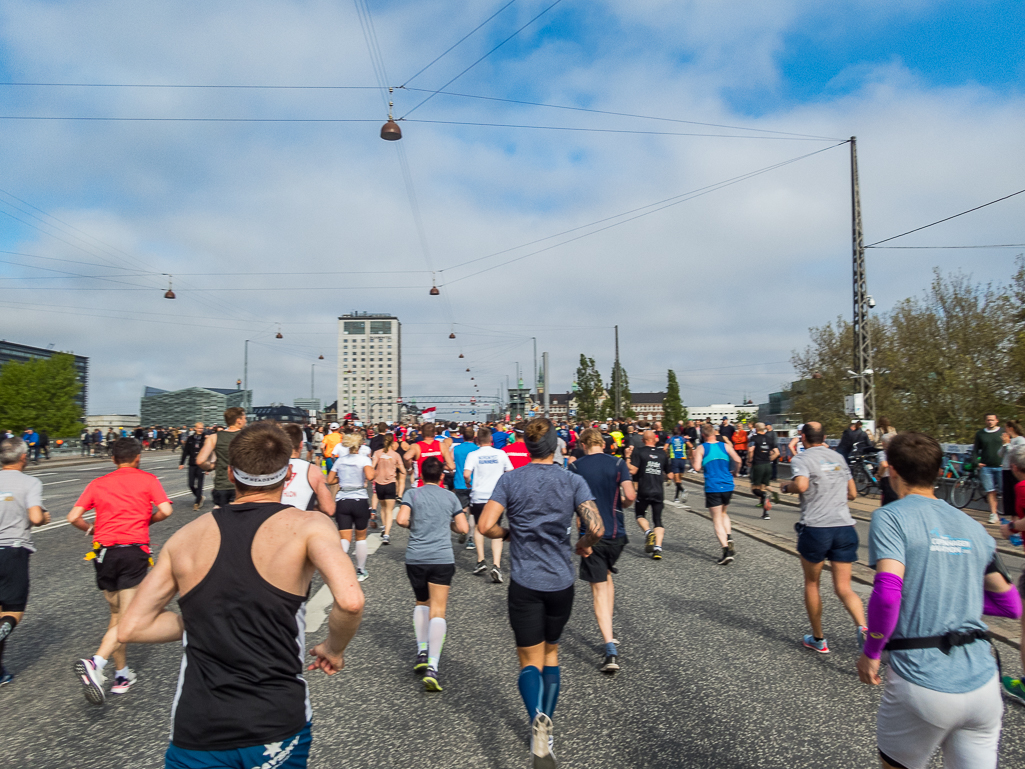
x: 715, y: 464
x: 459, y: 455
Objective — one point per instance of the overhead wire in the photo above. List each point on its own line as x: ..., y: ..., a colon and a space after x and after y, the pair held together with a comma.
x: 932, y: 248
x: 945, y: 219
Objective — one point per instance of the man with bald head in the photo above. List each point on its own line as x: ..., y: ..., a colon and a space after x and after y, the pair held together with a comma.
x: 190, y: 451
x: 649, y: 466
x: 826, y: 529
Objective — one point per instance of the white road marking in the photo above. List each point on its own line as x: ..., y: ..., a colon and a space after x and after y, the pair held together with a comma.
x: 318, y: 606
x: 37, y: 475
x: 54, y: 483
x: 47, y: 527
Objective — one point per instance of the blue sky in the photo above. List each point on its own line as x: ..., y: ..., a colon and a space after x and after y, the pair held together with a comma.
x: 934, y: 92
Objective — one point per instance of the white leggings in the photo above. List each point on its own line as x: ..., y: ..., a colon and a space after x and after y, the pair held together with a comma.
x: 914, y: 721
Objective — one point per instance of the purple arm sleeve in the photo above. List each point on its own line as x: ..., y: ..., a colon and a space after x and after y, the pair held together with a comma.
x: 883, y: 611
x: 1007, y: 604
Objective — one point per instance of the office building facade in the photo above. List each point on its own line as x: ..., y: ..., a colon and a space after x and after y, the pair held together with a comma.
x: 369, y: 366
x: 21, y: 353
x: 185, y: 407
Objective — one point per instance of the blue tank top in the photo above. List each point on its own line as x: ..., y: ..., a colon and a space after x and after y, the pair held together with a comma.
x: 677, y: 447
x: 716, y: 467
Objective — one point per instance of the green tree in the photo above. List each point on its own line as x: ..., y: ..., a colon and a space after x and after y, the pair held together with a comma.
x: 608, y: 408
x: 673, y: 410
x: 589, y: 389
x: 40, y: 393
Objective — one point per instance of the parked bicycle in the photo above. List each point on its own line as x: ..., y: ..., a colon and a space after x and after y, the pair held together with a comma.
x: 963, y: 483
x: 865, y: 472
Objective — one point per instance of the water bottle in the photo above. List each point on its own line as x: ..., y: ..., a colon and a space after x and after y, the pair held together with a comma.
x: 1015, y: 538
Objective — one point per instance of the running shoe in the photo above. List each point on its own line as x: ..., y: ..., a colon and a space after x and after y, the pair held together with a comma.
x: 610, y: 665
x: 730, y: 548
x: 92, y: 681
x: 431, y: 683
x: 727, y: 557
x: 361, y: 574
x: 541, y: 742
x: 649, y: 540
x: 421, y: 663
x: 386, y: 539
x: 496, y: 575
x: 195, y: 506
x: 994, y: 519
x: 820, y: 646
x: 1014, y: 688
x: 656, y: 554
x: 480, y: 568
x: 766, y: 516
x: 5, y: 676
x: 123, y: 683
x: 470, y: 545
x: 862, y: 633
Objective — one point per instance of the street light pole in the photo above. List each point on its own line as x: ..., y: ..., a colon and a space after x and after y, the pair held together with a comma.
x: 312, y: 367
x: 245, y: 378
x: 547, y: 398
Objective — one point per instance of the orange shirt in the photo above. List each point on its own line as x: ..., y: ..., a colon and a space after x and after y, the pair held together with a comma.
x: 331, y: 440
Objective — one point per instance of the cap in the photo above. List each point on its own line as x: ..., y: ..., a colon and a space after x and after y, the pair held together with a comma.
x: 604, y: 427
x: 334, y: 426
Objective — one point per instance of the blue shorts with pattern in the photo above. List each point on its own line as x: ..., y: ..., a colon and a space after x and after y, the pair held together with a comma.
x: 290, y: 753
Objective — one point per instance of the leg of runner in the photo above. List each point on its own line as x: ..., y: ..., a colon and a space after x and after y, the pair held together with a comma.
x: 813, y: 605
x: 361, y: 554
x: 436, y: 631
x: 850, y: 599
x: 640, y: 510
x: 387, y: 506
x: 90, y: 671
x: 478, y: 539
x: 8, y: 621
x: 657, y: 507
x: 604, y: 594
x: 723, y: 532
x: 496, y: 558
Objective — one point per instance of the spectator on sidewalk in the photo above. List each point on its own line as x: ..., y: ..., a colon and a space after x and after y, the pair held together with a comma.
x: 883, y: 428
x: 826, y: 529
x: 1012, y: 438
x: 986, y: 451
x: 887, y: 494
x: 44, y: 443
x: 852, y: 441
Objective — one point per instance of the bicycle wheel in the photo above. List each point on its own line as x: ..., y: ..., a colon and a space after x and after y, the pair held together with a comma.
x: 861, y: 479
x: 961, y: 492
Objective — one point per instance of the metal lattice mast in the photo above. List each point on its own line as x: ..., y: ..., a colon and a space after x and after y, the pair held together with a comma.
x: 862, y: 338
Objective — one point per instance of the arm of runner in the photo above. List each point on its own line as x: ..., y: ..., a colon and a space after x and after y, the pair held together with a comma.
x: 147, y: 619
x: 590, y: 519
x: 774, y: 454
x: 459, y: 523
x: 628, y: 491
x: 369, y: 472
x: 400, y: 479
x: 206, y: 459
x: 164, y: 510
x: 697, y: 454
x: 325, y: 499
x: 38, y: 516
x: 76, y: 520
x: 734, y: 456
x: 412, y: 453
x: 883, y: 612
x: 446, y: 452
x: 488, y: 523
x: 325, y: 553
x: 798, y: 485
x: 402, y: 516
x: 852, y: 490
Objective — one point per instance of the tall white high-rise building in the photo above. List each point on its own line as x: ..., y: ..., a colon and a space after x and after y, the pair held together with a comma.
x: 369, y: 366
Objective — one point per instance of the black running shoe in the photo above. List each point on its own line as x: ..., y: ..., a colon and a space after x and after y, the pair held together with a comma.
x: 656, y: 554
x: 729, y: 546
x: 431, y: 682
x: 421, y: 663
x: 480, y: 568
x: 496, y: 575
x: 727, y: 557
x: 610, y: 665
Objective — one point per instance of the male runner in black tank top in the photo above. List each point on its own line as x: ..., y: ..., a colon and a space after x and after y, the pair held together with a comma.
x: 243, y: 573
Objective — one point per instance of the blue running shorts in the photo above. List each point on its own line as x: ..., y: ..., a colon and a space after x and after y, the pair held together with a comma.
x: 290, y: 753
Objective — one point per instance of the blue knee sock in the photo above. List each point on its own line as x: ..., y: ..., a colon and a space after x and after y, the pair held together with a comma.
x: 531, y: 689
x: 551, y: 678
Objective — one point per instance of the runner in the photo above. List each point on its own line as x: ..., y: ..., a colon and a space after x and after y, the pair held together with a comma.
x: 541, y: 499
x: 481, y: 471
x: 305, y: 487
x: 677, y: 448
x: 516, y: 448
x: 826, y: 529
x: 648, y: 465
x: 389, y: 481
x: 124, y: 501
x: 761, y: 453
x: 190, y: 451
x: 1014, y: 687
x: 329, y: 444
x: 352, y: 504
x: 430, y: 513
x: 242, y: 574
x: 739, y: 439
x: 937, y: 573
x: 609, y: 480
x: 462, y: 450
x: 214, y: 454
x: 21, y: 508
x: 429, y: 446
x: 716, y: 458
x: 499, y: 437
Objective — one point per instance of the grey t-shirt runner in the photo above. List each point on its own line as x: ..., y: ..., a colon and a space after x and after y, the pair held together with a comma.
x: 540, y: 502
x: 18, y: 492
x: 432, y: 509
x: 825, y: 501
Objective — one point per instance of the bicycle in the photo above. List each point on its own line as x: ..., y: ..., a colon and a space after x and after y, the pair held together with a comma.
x: 966, y: 486
x: 865, y: 472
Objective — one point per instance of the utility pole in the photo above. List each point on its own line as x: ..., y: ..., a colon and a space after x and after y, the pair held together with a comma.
x: 544, y: 368
x: 533, y: 385
x: 312, y: 367
x: 615, y: 380
x: 862, y: 339
x: 245, y: 379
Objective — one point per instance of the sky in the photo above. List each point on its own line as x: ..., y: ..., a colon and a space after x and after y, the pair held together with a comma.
x: 536, y: 222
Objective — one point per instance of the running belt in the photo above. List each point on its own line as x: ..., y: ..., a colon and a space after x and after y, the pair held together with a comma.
x: 944, y: 642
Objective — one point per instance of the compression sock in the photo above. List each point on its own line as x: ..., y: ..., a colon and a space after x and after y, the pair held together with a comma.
x: 436, y: 639
x: 361, y: 553
x: 551, y: 678
x: 679, y: 488
x: 531, y: 688
x: 345, y: 546
x: 421, y: 621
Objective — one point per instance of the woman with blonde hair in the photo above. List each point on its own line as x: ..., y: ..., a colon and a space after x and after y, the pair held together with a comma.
x: 389, y: 481
x: 351, y: 471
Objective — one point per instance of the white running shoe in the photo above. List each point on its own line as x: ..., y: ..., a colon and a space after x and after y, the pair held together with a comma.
x: 123, y: 683
x: 541, y: 742
x: 361, y: 574
x: 92, y: 680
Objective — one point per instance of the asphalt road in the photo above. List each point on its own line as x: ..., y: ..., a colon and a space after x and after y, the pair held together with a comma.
x: 713, y: 671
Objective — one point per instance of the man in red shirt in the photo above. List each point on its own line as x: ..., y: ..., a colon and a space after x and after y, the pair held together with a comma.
x: 124, y: 501
x: 516, y: 448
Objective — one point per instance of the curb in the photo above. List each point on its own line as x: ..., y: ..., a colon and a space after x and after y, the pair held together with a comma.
x: 1002, y: 629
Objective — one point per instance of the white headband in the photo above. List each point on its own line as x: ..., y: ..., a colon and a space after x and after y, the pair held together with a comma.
x: 260, y: 480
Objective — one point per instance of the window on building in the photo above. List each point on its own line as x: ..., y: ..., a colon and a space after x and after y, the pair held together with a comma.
x: 380, y: 327
x: 354, y: 327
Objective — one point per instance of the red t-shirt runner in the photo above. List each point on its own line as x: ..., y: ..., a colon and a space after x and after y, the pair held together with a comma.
x: 427, y: 449
x: 518, y: 454
x: 124, y: 501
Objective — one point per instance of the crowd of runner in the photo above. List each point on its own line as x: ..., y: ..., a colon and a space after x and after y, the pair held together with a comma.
x: 291, y: 501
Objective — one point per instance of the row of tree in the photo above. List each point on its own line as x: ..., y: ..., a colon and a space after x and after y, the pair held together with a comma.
x: 41, y: 394
x: 942, y: 360
x: 595, y: 400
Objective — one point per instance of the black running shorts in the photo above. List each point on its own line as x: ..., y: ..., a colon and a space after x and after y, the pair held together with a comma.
x: 464, y: 497
x: 602, y: 560
x: 420, y: 574
x: 14, y: 578
x: 538, y: 616
x: 718, y: 498
x: 761, y: 474
x: 641, y: 506
x: 121, y: 568
x: 476, y: 508
x: 352, y: 514
x: 385, y: 491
